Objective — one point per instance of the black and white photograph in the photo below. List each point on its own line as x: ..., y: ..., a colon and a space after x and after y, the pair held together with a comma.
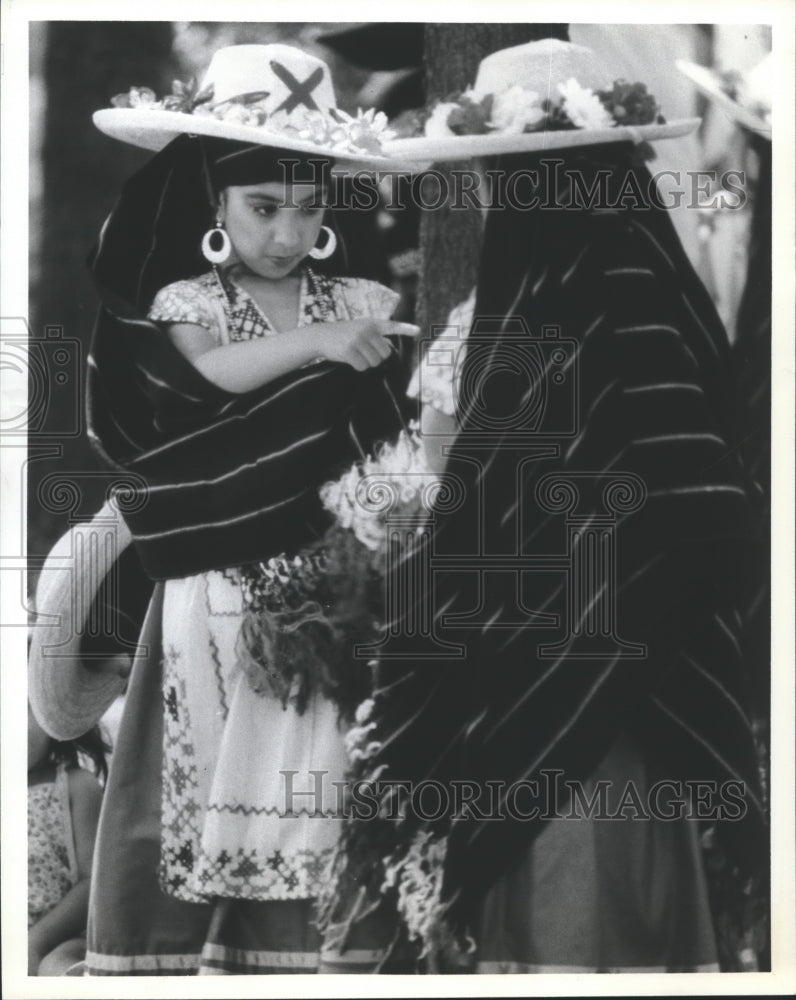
x: 397, y: 439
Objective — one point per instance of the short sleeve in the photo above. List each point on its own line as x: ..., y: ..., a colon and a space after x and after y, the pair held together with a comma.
x: 432, y: 381
x: 185, y: 302
x: 369, y: 299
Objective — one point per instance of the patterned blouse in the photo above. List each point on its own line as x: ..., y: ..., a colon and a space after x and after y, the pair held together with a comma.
x: 52, y: 864
x: 230, y: 313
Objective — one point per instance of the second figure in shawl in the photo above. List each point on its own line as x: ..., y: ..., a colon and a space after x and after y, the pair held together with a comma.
x: 504, y: 881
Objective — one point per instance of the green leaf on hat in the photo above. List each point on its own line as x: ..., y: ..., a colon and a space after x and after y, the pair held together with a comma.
x: 250, y: 98
x: 471, y: 118
x: 204, y: 95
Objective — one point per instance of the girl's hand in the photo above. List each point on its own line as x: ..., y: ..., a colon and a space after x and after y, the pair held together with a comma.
x: 361, y: 343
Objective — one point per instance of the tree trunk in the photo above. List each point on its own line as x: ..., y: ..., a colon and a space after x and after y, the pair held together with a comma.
x: 450, y: 238
x: 84, y: 65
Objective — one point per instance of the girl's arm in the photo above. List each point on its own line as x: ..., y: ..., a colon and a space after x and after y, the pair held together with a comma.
x: 67, y: 919
x: 247, y: 365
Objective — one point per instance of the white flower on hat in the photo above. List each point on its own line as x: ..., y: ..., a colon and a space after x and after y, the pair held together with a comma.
x: 238, y: 114
x: 368, y: 130
x: 337, y: 130
x: 516, y: 109
x: 143, y: 97
x: 437, y: 122
x: 582, y: 106
x: 315, y: 126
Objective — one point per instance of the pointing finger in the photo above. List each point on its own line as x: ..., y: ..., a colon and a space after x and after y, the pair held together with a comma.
x: 396, y: 329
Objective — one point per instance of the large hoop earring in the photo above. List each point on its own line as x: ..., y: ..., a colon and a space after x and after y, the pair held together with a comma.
x: 216, y: 244
x: 329, y: 247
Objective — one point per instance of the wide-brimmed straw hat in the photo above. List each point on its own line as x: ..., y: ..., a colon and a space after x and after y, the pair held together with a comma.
x: 270, y: 95
x: 744, y: 97
x: 68, y: 694
x: 547, y: 94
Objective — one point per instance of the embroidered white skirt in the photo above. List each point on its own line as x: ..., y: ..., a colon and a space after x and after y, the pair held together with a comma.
x: 250, y: 808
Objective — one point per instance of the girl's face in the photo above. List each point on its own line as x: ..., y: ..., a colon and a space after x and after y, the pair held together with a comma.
x: 272, y: 226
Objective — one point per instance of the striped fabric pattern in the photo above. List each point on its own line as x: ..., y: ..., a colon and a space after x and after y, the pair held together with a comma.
x: 221, y: 479
x: 655, y: 400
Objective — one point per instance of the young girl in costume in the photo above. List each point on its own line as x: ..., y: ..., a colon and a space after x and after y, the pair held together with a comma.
x: 63, y: 808
x: 228, y: 381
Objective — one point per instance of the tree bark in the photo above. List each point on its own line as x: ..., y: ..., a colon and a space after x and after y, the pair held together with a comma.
x: 450, y: 238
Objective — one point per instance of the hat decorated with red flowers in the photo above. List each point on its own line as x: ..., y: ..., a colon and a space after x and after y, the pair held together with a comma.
x: 546, y: 94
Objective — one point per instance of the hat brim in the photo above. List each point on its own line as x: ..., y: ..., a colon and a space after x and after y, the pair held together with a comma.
x: 709, y: 83
x: 155, y: 129
x: 66, y: 695
x: 460, y: 147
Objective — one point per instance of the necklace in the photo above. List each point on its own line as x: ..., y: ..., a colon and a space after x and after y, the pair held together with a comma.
x: 224, y: 296
x: 315, y: 289
x: 321, y: 295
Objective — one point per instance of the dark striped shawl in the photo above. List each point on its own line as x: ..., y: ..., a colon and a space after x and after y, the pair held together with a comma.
x: 219, y: 479
x: 656, y: 400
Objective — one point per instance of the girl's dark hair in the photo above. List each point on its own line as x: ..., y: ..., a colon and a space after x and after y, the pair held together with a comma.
x: 230, y: 163
x: 153, y: 237
x: 92, y: 744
